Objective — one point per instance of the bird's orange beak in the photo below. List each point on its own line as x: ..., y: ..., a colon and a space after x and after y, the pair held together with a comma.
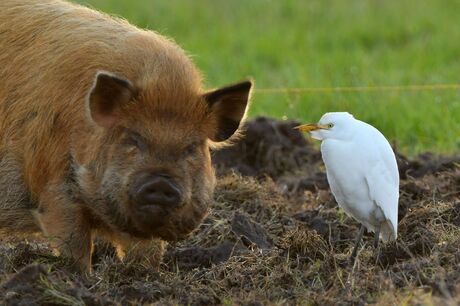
x: 310, y: 127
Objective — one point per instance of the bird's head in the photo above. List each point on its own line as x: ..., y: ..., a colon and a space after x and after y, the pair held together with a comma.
x: 337, y: 125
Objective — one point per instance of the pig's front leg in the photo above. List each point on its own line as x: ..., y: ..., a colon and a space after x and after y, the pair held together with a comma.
x: 68, y: 228
x: 148, y: 253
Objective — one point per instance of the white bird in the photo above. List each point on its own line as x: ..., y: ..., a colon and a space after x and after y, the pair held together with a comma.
x: 362, y: 173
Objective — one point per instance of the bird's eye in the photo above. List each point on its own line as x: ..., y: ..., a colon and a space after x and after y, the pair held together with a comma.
x: 330, y: 125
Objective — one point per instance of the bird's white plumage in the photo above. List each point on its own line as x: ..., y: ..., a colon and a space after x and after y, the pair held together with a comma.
x: 362, y: 171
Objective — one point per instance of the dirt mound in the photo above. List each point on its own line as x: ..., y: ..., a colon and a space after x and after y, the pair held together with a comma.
x: 275, y: 235
x: 273, y: 148
x: 269, y: 147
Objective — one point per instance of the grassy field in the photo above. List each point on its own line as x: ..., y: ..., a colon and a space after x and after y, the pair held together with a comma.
x: 318, y: 44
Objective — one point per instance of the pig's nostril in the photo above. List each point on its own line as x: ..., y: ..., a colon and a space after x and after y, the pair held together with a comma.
x: 159, y: 190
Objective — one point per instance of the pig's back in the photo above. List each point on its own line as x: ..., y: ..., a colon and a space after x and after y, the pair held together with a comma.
x: 49, y: 45
x: 51, y: 50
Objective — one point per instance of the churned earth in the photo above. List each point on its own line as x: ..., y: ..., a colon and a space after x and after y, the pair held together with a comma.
x: 274, y: 236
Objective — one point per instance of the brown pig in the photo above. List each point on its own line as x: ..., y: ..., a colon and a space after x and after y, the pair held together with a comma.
x: 105, y: 130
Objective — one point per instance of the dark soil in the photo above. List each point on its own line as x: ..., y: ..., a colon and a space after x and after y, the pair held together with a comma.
x: 274, y: 236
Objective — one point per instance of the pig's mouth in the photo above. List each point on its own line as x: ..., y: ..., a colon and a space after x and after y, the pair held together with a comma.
x: 167, y: 223
x: 158, y: 204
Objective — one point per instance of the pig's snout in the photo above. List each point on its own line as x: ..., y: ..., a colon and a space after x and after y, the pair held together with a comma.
x: 157, y: 189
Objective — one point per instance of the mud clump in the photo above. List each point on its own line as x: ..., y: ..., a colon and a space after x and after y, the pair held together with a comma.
x: 250, y: 232
x: 274, y: 236
x: 426, y: 163
x: 196, y: 257
x: 36, y: 285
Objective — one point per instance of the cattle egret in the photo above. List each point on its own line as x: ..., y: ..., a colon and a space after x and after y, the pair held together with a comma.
x: 362, y: 173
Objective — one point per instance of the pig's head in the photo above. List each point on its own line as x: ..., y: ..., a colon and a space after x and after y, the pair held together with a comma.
x: 150, y: 174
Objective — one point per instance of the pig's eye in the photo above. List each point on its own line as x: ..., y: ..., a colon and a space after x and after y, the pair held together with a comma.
x: 191, y: 149
x: 134, y: 139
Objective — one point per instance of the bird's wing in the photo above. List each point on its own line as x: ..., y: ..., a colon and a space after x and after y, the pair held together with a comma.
x: 382, y: 179
x: 331, y: 160
x: 336, y: 189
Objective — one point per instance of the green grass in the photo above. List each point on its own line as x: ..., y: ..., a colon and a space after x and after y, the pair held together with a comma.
x: 325, y: 44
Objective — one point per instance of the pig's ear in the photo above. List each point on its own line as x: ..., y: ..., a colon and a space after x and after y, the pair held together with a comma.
x: 228, y: 105
x: 108, y: 94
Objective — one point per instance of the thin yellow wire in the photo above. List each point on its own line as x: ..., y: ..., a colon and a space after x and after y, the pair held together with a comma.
x: 359, y: 88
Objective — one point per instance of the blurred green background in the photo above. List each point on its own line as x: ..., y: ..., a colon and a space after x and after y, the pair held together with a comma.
x: 320, y: 43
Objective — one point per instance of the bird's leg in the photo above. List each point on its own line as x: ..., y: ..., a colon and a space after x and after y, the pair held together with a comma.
x: 376, y: 244
x: 377, y: 237
x: 355, y: 249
